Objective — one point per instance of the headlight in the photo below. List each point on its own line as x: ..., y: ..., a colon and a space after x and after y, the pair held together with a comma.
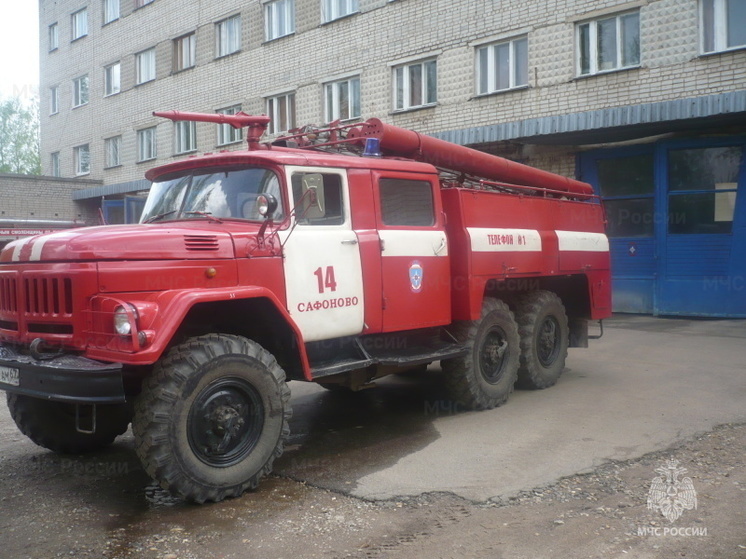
x: 122, y: 324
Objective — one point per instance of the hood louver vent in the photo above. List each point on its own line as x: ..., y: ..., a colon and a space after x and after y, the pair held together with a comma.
x: 201, y: 242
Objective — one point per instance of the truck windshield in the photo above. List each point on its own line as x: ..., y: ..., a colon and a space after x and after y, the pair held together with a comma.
x: 229, y: 193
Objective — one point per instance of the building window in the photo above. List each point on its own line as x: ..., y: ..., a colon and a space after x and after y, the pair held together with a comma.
x: 146, y: 144
x: 113, y: 147
x: 54, y: 164
x: 502, y: 66
x: 82, y: 159
x: 54, y: 37
x: 145, y: 66
x: 111, y: 11
x: 226, y: 133
x: 80, y: 91
x: 342, y: 99
x: 609, y: 43
x: 79, y: 24
x: 228, y: 36
x: 415, y: 85
x: 281, y: 109
x: 112, y: 83
x: 279, y: 19
x: 702, y: 189
x: 335, y: 9
x: 723, y: 25
x: 185, y: 52
x: 141, y: 3
x: 54, y: 100
x: 186, y: 136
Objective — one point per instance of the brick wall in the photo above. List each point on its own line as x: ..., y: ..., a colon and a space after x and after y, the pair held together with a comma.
x: 383, y: 32
x: 36, y: 198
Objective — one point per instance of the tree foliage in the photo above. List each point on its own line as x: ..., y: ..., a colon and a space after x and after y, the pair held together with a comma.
x: 19, y: 137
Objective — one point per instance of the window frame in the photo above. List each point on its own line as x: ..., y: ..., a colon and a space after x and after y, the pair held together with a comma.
x: 331, y: 97
x: 78, y: 24
x: 184, y: 52
x: 330, y: 9
x: 223, y: 37
x: 141, y: 3
x: 593, y: 50
x: 81, y: 95
x: 81, y: 164
x: 273, y: 104
x: 54, y: 164
x: 185, y: 137
x: 719, y: 31
x: 54, y: 100
x: 112, y: 79
x: 402, y: 72
x: 139, y: 66
x: 150, y: 134
x: 492, y: 78
x: 53, y: 36
x: 272, y: 28
x: 110, y: 163
x: 107, y: 10
x: 228, y: 135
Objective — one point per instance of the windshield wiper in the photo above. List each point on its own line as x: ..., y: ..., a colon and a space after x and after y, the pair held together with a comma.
x: 158, y: 216
x: 208, y: 215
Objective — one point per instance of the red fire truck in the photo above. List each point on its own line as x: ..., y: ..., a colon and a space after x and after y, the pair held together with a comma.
x: 335, y: 255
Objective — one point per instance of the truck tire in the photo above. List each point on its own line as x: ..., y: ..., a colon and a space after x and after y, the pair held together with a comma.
x: 484, y: 377
x: 542, y: 325
x: 52, y: 424
x: 212, y: 417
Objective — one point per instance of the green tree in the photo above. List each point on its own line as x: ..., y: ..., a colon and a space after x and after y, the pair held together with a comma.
x: 19, y: 137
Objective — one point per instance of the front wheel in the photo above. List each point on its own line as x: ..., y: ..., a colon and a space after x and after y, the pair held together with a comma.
x: 484, y: 377
x: 212, y: 418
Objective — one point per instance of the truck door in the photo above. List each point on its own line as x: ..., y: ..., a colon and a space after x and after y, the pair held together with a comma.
x: 323, y: 272
x: 414, y: 251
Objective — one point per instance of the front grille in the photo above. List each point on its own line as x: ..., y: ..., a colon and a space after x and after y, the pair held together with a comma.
x: 201, y: 242
x: 8, y: 295
x: 48, y: 295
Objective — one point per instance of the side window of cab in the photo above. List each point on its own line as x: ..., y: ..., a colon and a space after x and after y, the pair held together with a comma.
x: 318, y: 198
x: 406, y: 202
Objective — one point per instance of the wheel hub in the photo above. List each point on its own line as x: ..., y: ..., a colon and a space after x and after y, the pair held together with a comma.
x: 492, y: 355
x: 225, y: 422
x: 548, y: 341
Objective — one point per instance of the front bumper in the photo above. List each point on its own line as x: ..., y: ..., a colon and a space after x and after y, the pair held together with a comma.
x: 64, y: 378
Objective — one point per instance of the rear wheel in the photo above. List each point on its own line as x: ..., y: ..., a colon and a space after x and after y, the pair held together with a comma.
x: 52, y: 424
x: 212, y: 418
x: 542, y: 325
x: 484, y: 377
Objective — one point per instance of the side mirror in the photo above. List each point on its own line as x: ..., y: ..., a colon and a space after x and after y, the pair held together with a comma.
x: 266, y: 205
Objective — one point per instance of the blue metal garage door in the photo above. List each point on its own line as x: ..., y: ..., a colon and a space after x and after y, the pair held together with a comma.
x: 676, y: 224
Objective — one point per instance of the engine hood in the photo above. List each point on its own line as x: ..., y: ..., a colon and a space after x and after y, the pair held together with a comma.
x: 124, y: 242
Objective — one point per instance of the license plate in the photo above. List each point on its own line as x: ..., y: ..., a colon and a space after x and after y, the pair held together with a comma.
x: 9, y: 375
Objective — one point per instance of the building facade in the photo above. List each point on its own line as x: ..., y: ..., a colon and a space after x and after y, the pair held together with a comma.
x: 645, y: 99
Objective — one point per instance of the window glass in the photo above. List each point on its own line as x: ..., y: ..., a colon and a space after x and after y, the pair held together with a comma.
x: 736, y: 23
x: 628, y: 186
x: 703, y: 168
x: 406, y: 202
x: 626, y: 176
x: 702, y: 185
x: 630, y: 217
x: 318, y: 199
x: 229, y: 193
